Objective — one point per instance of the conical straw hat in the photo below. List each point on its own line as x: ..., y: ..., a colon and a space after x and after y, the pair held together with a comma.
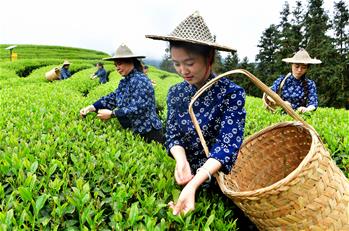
x: 66, y: 62
x: 192, y: 30
x: 123, y: 52
x: 302, y: 56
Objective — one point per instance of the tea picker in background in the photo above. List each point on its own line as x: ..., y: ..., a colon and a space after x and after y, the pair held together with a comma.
x: 100, y: 73
x: 145, y: 71
x: 220, y: 111
x: 133, y: 101
x: 295, y: 88
x: 65, y: 73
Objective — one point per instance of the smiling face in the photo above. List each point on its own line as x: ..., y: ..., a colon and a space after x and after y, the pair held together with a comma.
x: 192, y: 67
x: 299, y: 69
x: 124, y: 66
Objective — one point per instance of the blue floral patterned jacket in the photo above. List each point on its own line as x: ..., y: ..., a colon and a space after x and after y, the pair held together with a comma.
x: 65, y: 73
x: 133, y: 101
x: 221, y: 115
x: 293, y: 91
x: 102, y: 75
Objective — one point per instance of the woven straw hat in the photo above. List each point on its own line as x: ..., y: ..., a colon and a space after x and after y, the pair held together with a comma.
x: 192, y: 30
x: 302, y: 56
x: 123, y: 52
x: 66, y: 62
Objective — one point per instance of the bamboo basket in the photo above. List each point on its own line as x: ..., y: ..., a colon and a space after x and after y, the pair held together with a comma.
x: 284, y: 178
x: 53, y: 74
x: 268, y: 104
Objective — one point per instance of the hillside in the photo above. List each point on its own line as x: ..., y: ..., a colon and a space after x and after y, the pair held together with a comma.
x: 49, y: 52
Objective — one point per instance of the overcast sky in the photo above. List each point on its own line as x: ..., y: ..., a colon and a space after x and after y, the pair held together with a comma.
x: 105, y: 24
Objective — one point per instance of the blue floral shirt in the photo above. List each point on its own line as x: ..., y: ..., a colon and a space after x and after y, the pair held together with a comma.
x: 102, y: 75
x: 293, y: 91
x: 221, y: 115
x: 65, y: 73
x: 134, y: 101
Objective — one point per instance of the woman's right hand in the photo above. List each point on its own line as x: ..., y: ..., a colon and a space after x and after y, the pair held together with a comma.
x: 183, y: 172
x: 86, y: 110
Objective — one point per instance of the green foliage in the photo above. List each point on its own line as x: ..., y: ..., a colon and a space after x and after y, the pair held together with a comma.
x: 268, y: 44
x: 340, y: 24
x: 166, y: 63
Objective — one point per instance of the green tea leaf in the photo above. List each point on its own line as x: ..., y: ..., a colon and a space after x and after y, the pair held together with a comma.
x: 40, y: 202
x: 25, y: 194
x: 33, y: 167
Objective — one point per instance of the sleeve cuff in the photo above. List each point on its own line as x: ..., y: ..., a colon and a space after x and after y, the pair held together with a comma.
x: 170, y: 145
x: 226, y: 156
x: 98, y: 105
x: 311, y: 108
x: 119, y: 112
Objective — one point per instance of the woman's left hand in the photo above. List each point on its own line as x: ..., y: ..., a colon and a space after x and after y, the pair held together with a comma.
x: 302, y: 109
x: 186, y: 201
x: 104, y: 114
x: 306, y: 109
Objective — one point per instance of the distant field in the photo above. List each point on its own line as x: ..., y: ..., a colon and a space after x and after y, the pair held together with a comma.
x: 49, y: 52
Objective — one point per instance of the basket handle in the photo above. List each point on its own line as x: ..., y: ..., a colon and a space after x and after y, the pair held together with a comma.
x: 258, y: 83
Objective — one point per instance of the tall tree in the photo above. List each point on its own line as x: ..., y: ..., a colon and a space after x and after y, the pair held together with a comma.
x: 316, y: 26
x: 319, y: 44
x: 297, y: 24
x: 285, y: 39
x: 166, y: 63
x: 340, y: 24
x: 269, y: 45
x: 218, y: 63
x: 231, y: 61
x: 249, y: 87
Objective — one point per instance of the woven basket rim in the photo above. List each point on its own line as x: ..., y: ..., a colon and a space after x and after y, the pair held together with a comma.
x: 289, y: 177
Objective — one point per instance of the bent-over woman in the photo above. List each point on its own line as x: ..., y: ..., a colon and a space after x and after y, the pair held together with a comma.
x: 133, y: 101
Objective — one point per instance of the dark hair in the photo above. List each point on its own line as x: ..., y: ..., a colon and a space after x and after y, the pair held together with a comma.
x: 137, y: 64
x: 100, y: 64
x: 304, y: 100
x: 203, y: 50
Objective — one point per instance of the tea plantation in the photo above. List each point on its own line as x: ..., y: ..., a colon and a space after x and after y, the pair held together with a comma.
x: 61, y: 172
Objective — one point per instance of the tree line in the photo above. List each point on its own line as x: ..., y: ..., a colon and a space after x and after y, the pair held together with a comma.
x: 301, y: 26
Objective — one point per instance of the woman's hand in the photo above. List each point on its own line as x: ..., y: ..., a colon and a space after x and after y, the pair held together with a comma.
x: 86, y: 110
x: 183, y: 172
x: 306, y: 109
x: 302, y: 109
x: 186, y: 201
x: 104, y: 114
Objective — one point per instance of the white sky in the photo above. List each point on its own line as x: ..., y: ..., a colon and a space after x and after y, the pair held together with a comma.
x: 105, y: 24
